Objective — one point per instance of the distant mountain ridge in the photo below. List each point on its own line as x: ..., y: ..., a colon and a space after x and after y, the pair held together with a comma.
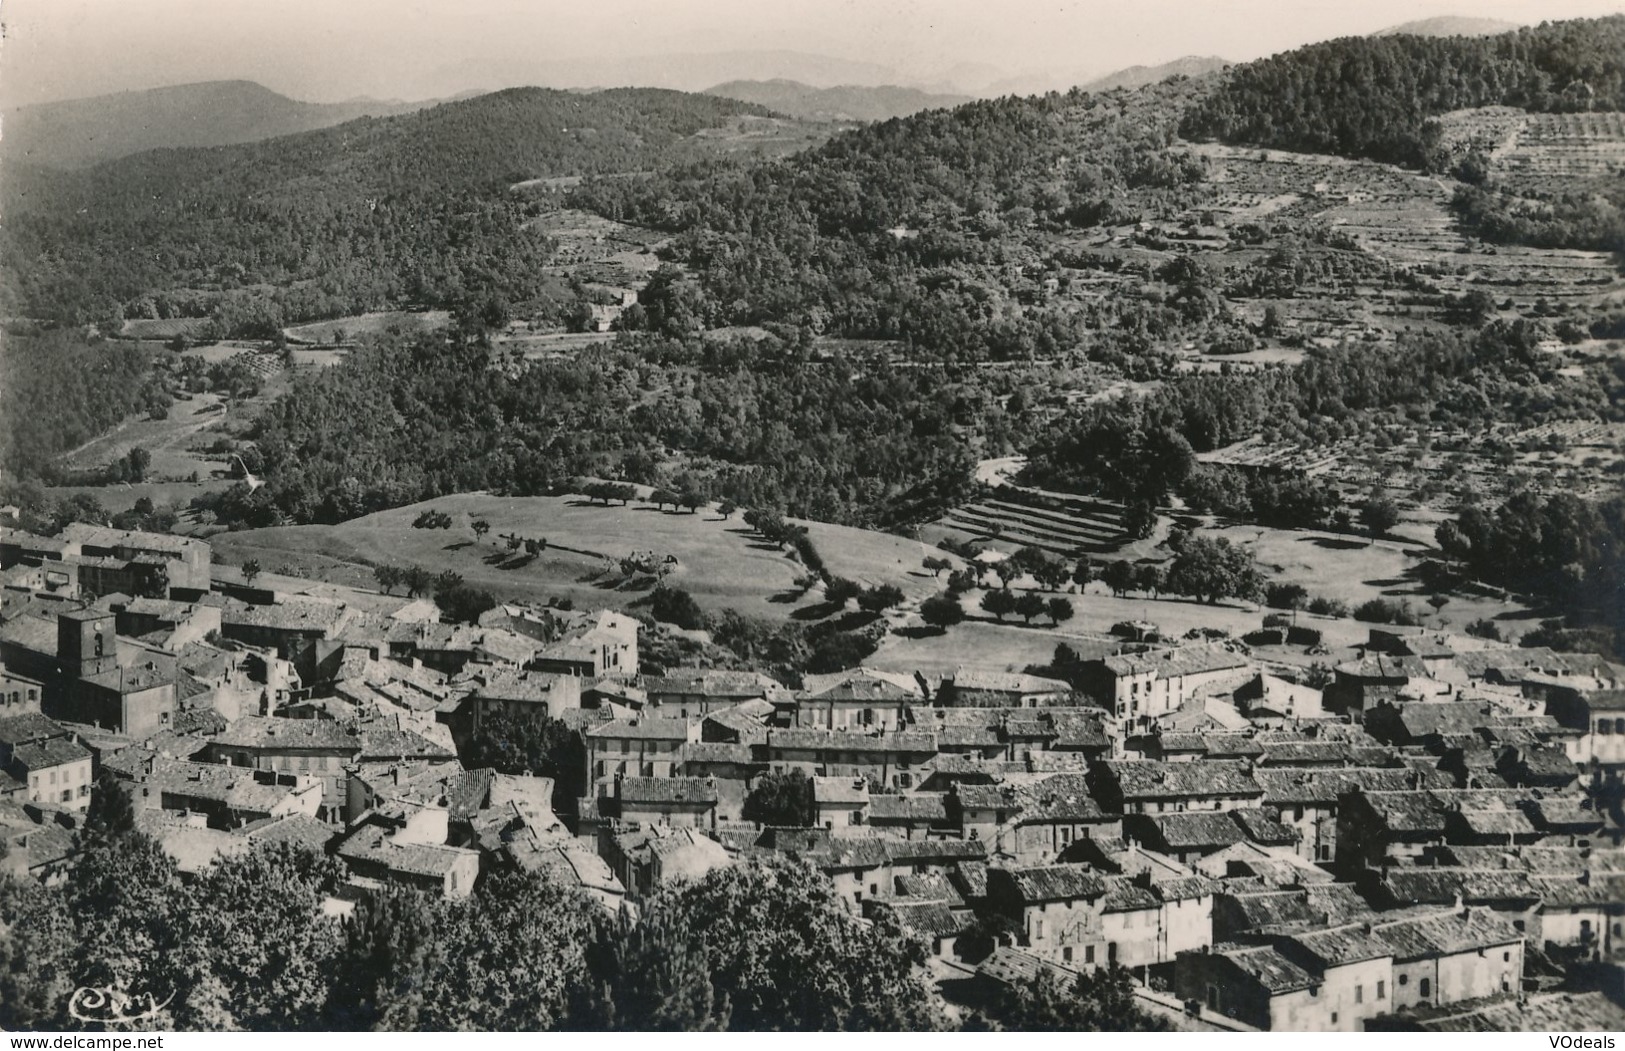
x: 848, y: 102
x: 1131, y: 77
x: 78, y: 132
x: 685, y: 71
x: 1451, y: 25
x: 1140, y: 76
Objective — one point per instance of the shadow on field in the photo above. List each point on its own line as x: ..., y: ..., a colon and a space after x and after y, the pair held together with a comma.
x: 1332, y: 543
x: 816, y: 611
x: 857, y: 618
x: 920, y: 632
x: 458, y: 545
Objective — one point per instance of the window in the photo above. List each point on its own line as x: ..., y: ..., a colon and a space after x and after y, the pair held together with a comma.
x: 1382, y: 990
x: 1066, y: 954
x: 1359, y: 994
x: 1424, y: 988
x: 1212, y: 998
x: 1089, y: 954
x: 1619, y: 726
x: 67, y: 796
x: 1604, y: 727
x: 1334, y: 1018
x: 1506, y: 957
x: 1404, y: 979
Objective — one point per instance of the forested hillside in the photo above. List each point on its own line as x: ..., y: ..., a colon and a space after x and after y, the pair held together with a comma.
x: 57, y: 391
x: 908, y: 230
x: 351, y: 218
x: 759, y: 424
x: 1372, y: 96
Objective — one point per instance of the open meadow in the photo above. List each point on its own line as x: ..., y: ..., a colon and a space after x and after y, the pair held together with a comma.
x: 721, y: 562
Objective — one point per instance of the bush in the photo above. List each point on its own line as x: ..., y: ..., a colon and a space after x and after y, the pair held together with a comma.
x: 1486, y: 629
x: 1285, y: 596
x: 880, y: 598
x: 809, y: 554
x: 780, y: 799
x: 839, y: 651
x: 1384, y: 611
x: 1296, y: 636
x: 463, y: 604
x: 1328, y: 607
x: 998, y: 602
x: 676, y: 606
x: 942, y: 611
x: 840, y: 590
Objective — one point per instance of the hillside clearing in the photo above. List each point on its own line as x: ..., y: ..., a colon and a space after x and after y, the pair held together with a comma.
x: 720, y: 562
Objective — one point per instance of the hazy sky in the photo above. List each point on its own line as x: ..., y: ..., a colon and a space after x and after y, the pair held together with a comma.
x: 325, y: 50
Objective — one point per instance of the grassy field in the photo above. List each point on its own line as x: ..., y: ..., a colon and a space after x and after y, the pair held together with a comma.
x: 878, y: 558
x: 175, y: 445
x: 719, y: 562
x: 552, y: 344
x: 980, y: 646
x: 326, y: 332
x: 163, y: 329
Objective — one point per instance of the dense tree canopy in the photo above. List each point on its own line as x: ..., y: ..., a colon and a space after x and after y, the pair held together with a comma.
x: 373, y: 213
x: 1372, y: 96
x: 58, y: 392
x: 424, y: 418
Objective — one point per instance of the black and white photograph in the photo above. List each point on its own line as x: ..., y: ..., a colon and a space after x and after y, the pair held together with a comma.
x: 902, y: 516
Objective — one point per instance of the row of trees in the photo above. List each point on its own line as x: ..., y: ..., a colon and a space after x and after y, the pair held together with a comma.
x: 1001, y: 602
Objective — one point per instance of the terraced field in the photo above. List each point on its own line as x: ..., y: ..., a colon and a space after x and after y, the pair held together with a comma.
x: 1403, y: 218
x: 1082, y: 526
x: 1564, y: 146
x: 165, y: 328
